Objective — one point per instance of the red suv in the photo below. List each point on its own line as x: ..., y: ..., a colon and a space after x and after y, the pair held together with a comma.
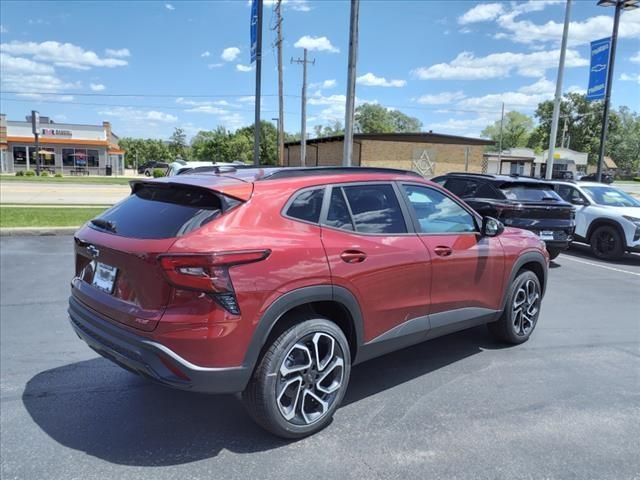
x: 275, y: 282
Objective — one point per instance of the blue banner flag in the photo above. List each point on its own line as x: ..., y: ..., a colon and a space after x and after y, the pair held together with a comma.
x: 254, y: 29
x: 599, y: 69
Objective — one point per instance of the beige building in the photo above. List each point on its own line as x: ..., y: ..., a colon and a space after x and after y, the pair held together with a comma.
x: 425, y: 152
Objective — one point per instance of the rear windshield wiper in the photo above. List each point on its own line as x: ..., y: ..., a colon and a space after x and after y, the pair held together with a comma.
x: 104, y: 224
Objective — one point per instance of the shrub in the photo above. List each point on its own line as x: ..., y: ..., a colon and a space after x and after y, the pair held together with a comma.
x: 29, y: 173
x: 58, y: 175
x: 158, y: 172
x: 636, y: 179
x: 20, y: 173
x: 44, y: 174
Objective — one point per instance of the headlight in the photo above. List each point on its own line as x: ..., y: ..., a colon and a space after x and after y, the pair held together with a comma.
x: 632, y: 220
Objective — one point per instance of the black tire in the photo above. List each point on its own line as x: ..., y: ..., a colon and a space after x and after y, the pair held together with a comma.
x: 554, y: 252
x: 147, y: 173
x: 607, y: 243
x: 512, y: 328
x: 261, y: 397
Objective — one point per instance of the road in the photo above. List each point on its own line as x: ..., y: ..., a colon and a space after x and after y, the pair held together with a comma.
x: 565, y: 405
x: 61, y: 193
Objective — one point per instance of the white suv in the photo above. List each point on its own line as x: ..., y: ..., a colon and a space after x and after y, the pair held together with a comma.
x: 607, y: 218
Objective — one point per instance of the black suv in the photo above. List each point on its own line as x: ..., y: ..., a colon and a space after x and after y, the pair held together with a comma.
x: 517, y: 201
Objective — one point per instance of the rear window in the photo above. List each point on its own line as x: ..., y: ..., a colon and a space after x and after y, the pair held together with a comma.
x: 162, y: 212
x: 307, y: 205
x: 530, y: 192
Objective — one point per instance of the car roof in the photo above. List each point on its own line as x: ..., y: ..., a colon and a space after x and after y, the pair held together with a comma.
x: 495, y: 178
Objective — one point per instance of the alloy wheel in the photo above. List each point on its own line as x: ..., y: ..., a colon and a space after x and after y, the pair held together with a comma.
x: 526, y: 306
x: 605, y: 242
x: 310, y: 378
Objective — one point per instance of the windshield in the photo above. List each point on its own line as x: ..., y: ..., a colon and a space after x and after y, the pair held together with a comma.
x: 530, y: 193
x: 611, y: 197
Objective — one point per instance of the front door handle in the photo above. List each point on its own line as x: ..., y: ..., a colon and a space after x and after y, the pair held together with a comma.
x: 353, y: 256
x: 443, y: 251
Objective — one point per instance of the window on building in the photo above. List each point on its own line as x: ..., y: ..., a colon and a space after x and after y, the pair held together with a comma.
x: 93, y: 157
x: 80, y: 157
x: 20, y: 156
x: 375, y: 209
x: 307, y: 205
x: 67, y: 157
x: 47, y: 155
x: 437, y: 213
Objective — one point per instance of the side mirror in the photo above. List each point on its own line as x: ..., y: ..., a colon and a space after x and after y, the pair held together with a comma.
x: 579, y: 201
x: 491, y: 227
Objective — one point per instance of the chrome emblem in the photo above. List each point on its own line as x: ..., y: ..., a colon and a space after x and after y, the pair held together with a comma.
x: 93, y: 251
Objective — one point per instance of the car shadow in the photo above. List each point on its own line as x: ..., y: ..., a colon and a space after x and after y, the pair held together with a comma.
x: 579, y: 250
x: 95, y: 407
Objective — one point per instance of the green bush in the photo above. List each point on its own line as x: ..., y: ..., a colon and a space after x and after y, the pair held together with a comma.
x: 636, y: 179
x: 44, y: 174
x: 58, y: 175
x: 29, y: 173
x: 20, y: 173
x: 158, y: 172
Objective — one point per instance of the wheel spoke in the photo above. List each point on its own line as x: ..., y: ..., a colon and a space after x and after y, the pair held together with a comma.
x: 312, y: 407
x: 334, y: 373
x: 323, y: 347
x: 293, y: 386
x: 299, y: 358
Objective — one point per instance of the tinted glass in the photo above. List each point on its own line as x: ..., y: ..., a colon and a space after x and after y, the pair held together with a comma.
x: 153, y: 212
x: 611, y: 196
x: 530, y: 192
x: 375, y: 209
x: 338, y: 215
x: 437, y: 213
x: 307, y: 206
x: 568, y: 193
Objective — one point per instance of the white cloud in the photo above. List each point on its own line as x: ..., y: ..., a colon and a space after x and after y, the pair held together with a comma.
x: 121, y: 53
x: 525, y: 98
x: 635, y: 58
x: 3, y: 29
x: 168, y: 6
x: 633, y: 77
x: 441, y: 98
x: 468, y: 127
x: 61, y: 54
x: 132, y: 114
x: 25, y: 76
x: 19, y: 65
x: 319, y: 44
x: 205, y: 54
x: 325, y: 84
x: 244, y: 68
x: 215, y: 65
x: 230, y: 54
x: 298, y: 5
x: 466, y: 66
x: 481, y: 13
x: 370, y: 80
x: 97, y: 87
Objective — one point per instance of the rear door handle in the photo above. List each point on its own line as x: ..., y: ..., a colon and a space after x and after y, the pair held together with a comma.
x: 353, y: 256
x: 443, y: 251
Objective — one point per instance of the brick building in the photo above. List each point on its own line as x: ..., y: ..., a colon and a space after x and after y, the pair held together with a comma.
x: 425, y: 152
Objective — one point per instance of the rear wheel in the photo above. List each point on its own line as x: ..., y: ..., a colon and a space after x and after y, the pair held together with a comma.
x: 521, y: 311
x: 301, y: 379
x: 606, y: 243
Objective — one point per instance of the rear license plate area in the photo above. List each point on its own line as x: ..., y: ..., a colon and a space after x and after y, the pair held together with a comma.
x: 104, y: 277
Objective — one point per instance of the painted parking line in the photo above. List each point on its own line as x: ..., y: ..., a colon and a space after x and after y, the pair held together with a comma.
x: 606, y: 267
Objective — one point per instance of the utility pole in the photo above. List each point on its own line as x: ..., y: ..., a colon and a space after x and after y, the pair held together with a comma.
x: 558, y: 96
x: 303, y: 127
x: 256, y: 126
x: 351, y: 83
x: 278, y: 10
x: 500, y: 141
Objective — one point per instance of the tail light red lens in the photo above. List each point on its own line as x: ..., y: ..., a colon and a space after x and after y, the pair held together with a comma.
x: 209, y: 273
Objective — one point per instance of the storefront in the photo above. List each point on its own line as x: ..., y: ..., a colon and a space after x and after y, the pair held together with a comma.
x: 64, y: 148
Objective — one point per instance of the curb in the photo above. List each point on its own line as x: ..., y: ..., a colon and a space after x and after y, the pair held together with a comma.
x: 37, y: 231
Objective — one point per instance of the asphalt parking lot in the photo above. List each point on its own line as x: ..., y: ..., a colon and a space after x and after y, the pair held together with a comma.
x: 564, y: 405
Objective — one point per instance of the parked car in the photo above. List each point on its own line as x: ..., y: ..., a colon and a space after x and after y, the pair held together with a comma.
x: 182, y: 167
x: 563, y: 175
x: 517, y: 201
x: 275, y: 282
x: 592, y: 177
x: 147, y: 168
x: 607, y: 218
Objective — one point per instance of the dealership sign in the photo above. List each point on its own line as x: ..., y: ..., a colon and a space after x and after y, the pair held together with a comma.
x: 599, y: 69
x: 56, y: 132
x: 254, y: 30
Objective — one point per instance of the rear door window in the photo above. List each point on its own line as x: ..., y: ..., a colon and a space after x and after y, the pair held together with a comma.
x: 307, y: 205
x: 338, y: 215
x: 462, y: 187
x: 156, y: 212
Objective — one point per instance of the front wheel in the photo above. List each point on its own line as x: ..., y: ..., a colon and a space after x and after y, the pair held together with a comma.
x: 521, y: 311
x: 301, y: 379
x: 606, y: 243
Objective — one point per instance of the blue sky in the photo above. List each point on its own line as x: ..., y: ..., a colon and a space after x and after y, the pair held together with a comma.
x: 151, y: 66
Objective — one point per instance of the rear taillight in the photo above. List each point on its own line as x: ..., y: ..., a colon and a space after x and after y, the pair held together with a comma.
x: 209, y: 273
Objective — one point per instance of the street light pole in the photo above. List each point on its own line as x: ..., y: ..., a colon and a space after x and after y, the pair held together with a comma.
x: 558, y: 96
x: 351, y: 83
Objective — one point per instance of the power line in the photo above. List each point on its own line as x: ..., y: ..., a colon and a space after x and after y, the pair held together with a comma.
x: 143, y: 95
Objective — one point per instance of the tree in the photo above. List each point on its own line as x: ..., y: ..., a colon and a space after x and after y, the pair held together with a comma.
x: 331, y: 130
x: 623, y: 145
x: 373, y: 118
x: 517, y: 128
x: 178, y: 144
x: 139, y: 151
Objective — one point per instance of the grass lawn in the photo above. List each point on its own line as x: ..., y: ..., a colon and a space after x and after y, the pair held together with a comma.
x: 84, y: 179
x: 46, y: 217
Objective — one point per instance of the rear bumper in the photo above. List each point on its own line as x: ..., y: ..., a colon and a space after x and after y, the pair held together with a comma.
x: 150, y: 359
